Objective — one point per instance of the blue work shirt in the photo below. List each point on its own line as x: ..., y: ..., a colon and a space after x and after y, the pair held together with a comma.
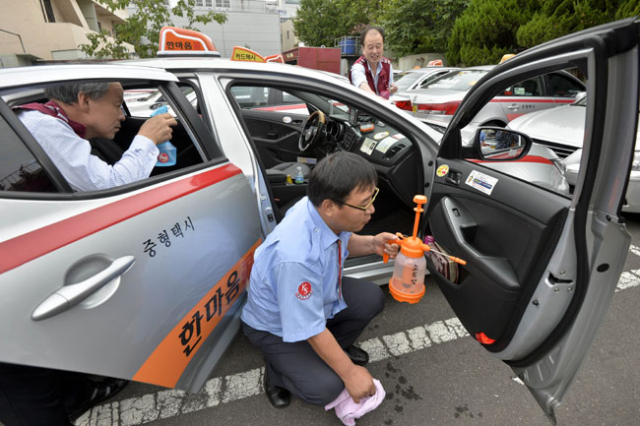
x: 294, y: 286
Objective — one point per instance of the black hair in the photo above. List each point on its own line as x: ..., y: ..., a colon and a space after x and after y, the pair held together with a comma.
x: 366, y: 31
x: 337, y: 174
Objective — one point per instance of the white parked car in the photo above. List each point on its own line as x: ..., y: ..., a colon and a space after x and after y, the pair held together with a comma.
x: 562, y: 129
x: 541, y: 166
x: 414, y: 79
x: 440, y: 98
x: 146, y: 281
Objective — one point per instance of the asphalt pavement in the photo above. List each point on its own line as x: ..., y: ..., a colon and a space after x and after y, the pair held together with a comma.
x: 448, y: 379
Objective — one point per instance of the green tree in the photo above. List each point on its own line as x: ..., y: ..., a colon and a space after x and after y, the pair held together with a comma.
x: 321, y: 22
x: 142, y: 28
x: 559, y: 17
x: 628, y: 8
x: 419, y: 26
x: 487, y: 29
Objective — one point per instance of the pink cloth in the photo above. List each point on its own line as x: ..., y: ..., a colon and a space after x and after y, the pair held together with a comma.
x: 348, y: 411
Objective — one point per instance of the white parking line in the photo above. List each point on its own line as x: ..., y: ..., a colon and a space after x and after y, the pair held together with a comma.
x: 634, y: 249
x: 221, y: 390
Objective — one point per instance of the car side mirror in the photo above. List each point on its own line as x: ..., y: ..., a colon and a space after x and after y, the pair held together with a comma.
x: 498, y: 144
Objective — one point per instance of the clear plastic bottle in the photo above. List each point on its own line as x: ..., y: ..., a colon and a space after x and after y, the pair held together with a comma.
x: 408, y: 275
x: 407, y: 282
x: 299, y: 176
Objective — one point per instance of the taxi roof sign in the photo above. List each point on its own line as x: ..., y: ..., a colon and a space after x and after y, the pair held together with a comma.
x: 507, y: 57
x: 182, y: 42
x: 242, y: 54
x: 435, y: 63
x: 275, y: 58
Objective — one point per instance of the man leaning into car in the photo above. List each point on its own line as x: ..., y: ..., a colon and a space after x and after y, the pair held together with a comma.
x: 75, y: 113
x: 301, y: 313
x: 78, y: 112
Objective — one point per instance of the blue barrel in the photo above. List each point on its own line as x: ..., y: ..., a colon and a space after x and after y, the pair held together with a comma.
x: 349, y: 46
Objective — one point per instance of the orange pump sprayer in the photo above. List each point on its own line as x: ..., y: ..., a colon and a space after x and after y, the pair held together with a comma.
x: 407, y: 283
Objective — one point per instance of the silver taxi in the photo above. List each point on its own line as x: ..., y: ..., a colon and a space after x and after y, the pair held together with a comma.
x: 562, y: 130
x: 441, y: 97
x: 146, y: 281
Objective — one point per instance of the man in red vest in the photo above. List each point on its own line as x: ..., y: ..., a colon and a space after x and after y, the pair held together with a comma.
x: 372, y: 72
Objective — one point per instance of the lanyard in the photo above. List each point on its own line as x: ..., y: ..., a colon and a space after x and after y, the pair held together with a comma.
x: 339, y: 269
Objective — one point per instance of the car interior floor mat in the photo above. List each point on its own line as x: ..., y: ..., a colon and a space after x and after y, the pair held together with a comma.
x: 400, y: 220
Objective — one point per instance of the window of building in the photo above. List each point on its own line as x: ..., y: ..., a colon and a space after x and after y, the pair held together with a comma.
x: 223, y: 3
x: 48, y: 11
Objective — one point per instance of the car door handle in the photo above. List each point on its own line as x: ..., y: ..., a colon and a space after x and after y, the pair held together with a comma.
x: 453, y: 177
x: 70, y: 295
x: 458, y: 221
x: 513, y: 107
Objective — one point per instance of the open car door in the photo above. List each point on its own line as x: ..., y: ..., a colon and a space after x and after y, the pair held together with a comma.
x: 542, y: 267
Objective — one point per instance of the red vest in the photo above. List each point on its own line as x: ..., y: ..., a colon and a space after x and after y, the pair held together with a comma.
x: 383, y: 78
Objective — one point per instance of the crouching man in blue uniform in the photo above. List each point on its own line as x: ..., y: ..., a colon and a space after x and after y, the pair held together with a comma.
x: 302, y: 314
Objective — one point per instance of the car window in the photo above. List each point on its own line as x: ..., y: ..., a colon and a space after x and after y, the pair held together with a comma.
x: 430, y: 78
x: 152, y: 99
x: 20, y: 171
x: 456, y: 80
x: 89, y: 172
x: 563, y: 87
x: 288, y: 98
x: 269, y: 99
x: 281, y: 142
x: 531, y: 87
x: 406, y: 79
x: 541, y: 166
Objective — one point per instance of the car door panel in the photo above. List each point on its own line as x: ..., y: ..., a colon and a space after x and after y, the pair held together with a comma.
x: 567, y: 254
x: 501, y: 237
x: 275, y: 134
x: 151, y: 322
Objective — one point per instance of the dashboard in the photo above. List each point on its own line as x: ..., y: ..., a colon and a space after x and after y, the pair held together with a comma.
x: 390, y: 152
x: 377, y: 142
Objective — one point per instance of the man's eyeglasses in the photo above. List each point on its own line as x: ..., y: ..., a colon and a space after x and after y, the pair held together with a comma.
x: 364, y: 208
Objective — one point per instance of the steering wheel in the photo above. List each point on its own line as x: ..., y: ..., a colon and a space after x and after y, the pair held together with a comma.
x: 312, y: 131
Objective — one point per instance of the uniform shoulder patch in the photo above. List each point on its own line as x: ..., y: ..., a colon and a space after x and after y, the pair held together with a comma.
x: 304, y: 291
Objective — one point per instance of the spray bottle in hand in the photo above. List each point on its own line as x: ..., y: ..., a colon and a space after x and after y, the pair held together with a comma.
x: 407, y: 283
x: 168, y: 152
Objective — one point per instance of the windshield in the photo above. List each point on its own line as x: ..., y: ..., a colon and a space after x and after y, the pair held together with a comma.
x: 406, y: 79
x: 456, y: 80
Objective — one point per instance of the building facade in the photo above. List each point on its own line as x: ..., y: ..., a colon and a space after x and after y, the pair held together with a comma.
x: 250, y: 23
x: 50, y: 30
x: 287, y: 9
